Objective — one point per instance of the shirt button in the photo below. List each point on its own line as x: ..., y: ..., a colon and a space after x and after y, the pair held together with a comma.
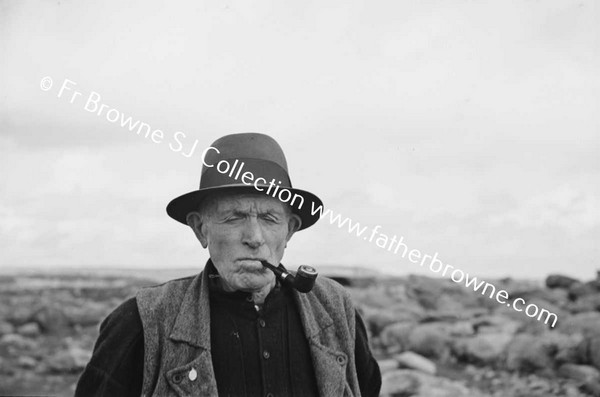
x: 262, y: 323
x: 269, y: 395
x: 266, y: 354
x: 341, y: 360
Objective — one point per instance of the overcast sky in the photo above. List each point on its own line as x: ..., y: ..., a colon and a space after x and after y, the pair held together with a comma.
x: 472, y: 129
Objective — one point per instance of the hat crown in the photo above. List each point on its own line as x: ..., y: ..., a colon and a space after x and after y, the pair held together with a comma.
x: 246, y: 145
x: 251, y: 152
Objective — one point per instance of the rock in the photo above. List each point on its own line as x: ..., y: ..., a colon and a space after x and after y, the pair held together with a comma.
x: 395, y: 337
x: 399, y: 383
x: 560, y: 281
x: 547, y: 316
x: 387, y: 365
x: 426, y: 290
x: 589, y: 351
x: 20, y: 314
x: 6, y: 328
x: 594, y: 351
x: 6, y: 368
x: 526, y: 354
x: 461, y: 328
x: 588, y: 303
x: 496, y: 324
x: 558, y: 297
x: 415, y: 361
x: 568, y: 349
x: 481, y: 349
x: 581, y: 373
x: 17, y: 341
x: 378, y: 319
x: 578, y: 290
x: 377, y: 296
x: 69, y: 361
x: 442, y: 387
x: 517, y: 287
x: 430, y: 340
x: 29, y: 329
x: 592, y: 388
x: 405, y: 382
x: 52, y: 319
x: 540, y: 353
x: 26, y: 362
x: 89, y: 314
x: 587, y: 324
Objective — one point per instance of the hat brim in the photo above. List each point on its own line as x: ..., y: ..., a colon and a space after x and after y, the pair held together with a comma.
x: 181, y: 206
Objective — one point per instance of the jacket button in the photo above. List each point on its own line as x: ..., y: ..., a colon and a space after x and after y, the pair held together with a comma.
x: 262, y: 323
x: 177, y: 378
x: 269, y: 395
x: 266, y: 354
x: 341, y: 360
x: 193, y: 374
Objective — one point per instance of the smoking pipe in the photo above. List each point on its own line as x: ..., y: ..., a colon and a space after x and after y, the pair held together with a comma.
x: 303, y: 281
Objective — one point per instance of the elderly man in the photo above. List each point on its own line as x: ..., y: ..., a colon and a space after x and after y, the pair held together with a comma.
x: 237, y: 328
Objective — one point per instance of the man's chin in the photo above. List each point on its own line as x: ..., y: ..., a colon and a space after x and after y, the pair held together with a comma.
x: 254, y: 281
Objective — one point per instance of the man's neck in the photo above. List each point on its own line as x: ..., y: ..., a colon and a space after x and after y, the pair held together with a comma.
x: 259, y: 296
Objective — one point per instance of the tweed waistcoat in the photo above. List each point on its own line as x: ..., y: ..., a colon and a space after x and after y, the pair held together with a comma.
x: 176, y: 323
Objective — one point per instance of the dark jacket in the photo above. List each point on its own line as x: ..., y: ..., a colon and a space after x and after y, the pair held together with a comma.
x: 172, y: 322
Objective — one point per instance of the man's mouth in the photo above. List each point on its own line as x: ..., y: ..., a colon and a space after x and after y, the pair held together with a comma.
x: 252, y: 265
x: 253, y: 262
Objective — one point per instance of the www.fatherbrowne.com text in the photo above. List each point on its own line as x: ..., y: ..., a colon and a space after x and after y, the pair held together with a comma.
x: 395, y: 245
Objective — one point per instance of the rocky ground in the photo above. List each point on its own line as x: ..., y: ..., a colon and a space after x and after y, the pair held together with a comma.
x: 433, y: 338
x: 48, y: 326
x: 436, y: 338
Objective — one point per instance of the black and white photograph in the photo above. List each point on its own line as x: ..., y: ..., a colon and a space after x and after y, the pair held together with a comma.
x: 261, y: 198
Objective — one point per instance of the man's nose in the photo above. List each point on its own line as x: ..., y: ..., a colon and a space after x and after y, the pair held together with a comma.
x: 253, y: 234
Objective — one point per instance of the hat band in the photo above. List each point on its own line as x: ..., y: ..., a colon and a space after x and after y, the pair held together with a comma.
x: 248, y: 171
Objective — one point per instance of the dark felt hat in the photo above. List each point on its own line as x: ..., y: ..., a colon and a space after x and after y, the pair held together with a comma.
x: 248, y: 162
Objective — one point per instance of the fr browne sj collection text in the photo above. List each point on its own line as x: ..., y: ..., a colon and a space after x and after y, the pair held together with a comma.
x: 92, y: 102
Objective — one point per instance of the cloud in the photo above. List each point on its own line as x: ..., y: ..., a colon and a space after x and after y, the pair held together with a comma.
x: 574, y: 210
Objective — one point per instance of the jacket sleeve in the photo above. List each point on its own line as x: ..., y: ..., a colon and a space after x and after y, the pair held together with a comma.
x: 369, y: 376
x: 117, y: 363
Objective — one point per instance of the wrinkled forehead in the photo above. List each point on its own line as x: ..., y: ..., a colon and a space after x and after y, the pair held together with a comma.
x: 247, y: 203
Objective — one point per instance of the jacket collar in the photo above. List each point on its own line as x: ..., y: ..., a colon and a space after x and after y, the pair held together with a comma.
x: 192, y: 324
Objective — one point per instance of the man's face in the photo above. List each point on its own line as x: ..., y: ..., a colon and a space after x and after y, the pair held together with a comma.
x: 241, y: 230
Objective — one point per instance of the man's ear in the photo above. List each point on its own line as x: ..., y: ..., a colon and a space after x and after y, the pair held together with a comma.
x: 294, y: 224
x: 194, y: 220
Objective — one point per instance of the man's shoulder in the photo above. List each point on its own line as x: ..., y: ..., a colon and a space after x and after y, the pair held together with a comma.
x: 174, y: 283
x: 157, y: 301
x: 125, y: 318
x: 329, y: 291
x: 169, y: 289
x: 328, y: 285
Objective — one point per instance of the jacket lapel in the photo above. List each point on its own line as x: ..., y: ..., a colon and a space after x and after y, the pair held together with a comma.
x: 192, y: 327
x: 192, y: 324
x: 329, y: 361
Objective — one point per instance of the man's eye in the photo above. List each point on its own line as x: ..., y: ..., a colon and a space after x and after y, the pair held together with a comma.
x: 270, y: 219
